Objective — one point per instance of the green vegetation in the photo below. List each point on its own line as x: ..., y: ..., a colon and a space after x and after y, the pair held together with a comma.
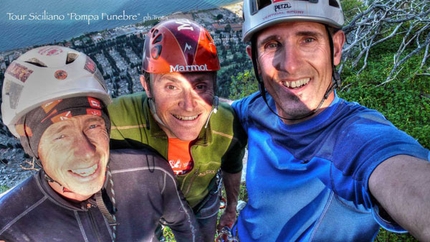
x: 243, y: 84
x: 3, y: 188
x: 404, y: 101
x: 385, y: 236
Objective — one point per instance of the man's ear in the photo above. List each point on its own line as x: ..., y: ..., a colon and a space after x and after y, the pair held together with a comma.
x: 145, y: 86
x: 338, y: 41
x: 249, y: 51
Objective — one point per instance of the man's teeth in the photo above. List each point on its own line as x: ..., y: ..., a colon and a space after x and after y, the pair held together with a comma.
x: 296, y: 84
x: 186, y: 118
x: 86, y: 171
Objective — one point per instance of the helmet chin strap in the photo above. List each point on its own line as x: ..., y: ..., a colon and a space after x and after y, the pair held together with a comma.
x: 46, y: 176
x: 154, y: 111
x: 335, y: 83
x: 49, y: 179
x: 215, y: 104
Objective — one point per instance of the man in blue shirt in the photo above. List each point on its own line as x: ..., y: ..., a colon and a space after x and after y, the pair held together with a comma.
x: 320, y: 168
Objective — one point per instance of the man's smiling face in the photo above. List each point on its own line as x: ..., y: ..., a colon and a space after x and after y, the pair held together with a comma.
x: 295, y: 63
x: 75, y: 152
x: 183, y: 101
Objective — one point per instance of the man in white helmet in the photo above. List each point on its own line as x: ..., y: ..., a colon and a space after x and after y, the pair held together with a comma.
x: 320, y: 168
x: 54, y: 100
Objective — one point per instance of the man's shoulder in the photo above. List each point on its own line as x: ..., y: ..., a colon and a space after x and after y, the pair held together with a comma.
x: 248, y: 101
x: 355, y: 113
x: 15, y: 202
x: 224, y: 115
x: 233, y: 105
x: 143, y: 150
x: 360, y: 125
x: 142, y: 157
x: 126, y: 107
x: 253, y: 97
x: 225, y: 107
x: 29, y: 185
x: 129, y: 99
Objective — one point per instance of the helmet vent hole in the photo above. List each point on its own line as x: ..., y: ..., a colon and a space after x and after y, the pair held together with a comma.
x: 208, y: 37
x: 264, y: 3
x: 156, y: 52
x: 157, y: 39
x: 154, y: 32
x: 71, y: 57
x: 36, y: 62
x: 333, y: 3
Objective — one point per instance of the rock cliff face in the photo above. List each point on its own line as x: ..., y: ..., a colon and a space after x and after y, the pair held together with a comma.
x: 15, y: 166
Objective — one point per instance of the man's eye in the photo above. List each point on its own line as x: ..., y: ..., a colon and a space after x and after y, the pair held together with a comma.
x: 171, y: 87
x: 94, y: 126
x: 309, y: 40
x: 59, y: 137
x: 271, y: 45
x: 201, y: 87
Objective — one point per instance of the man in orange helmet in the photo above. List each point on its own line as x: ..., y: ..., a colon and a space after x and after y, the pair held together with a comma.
x: 180, y: 116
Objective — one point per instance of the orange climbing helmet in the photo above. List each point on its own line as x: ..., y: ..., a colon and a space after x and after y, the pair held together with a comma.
x: 179, y: 45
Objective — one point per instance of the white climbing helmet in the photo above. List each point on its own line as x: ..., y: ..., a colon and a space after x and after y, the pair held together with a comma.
x: 259, y: 14
x: 48, y: 73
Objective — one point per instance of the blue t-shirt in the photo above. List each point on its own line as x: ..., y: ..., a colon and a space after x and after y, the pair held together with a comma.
x: 309, y: 181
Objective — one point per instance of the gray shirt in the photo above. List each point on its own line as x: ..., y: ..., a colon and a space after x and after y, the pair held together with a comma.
x: 145, y: 191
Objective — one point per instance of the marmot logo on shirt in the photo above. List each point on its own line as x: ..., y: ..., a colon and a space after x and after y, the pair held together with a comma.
x: 181, y: 68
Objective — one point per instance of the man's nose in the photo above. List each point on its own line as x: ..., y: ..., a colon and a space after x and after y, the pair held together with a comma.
x: 189, y: 100
x: 288, y: 59
x: 86, y: 149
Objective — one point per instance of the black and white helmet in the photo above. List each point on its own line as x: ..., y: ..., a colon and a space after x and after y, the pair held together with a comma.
x: 259, y: 14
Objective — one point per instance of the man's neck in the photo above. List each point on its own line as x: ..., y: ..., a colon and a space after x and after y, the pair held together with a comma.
x: 64, y: 192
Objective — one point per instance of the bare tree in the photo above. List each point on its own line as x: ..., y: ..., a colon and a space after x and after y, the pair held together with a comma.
x: 382, y: 20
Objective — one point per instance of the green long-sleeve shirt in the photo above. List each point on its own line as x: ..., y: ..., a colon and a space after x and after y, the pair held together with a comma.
x: 220, y: 145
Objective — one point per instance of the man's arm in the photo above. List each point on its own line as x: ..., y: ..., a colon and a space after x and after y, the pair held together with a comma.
x: 401, y: 185
x: 232, y: 187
